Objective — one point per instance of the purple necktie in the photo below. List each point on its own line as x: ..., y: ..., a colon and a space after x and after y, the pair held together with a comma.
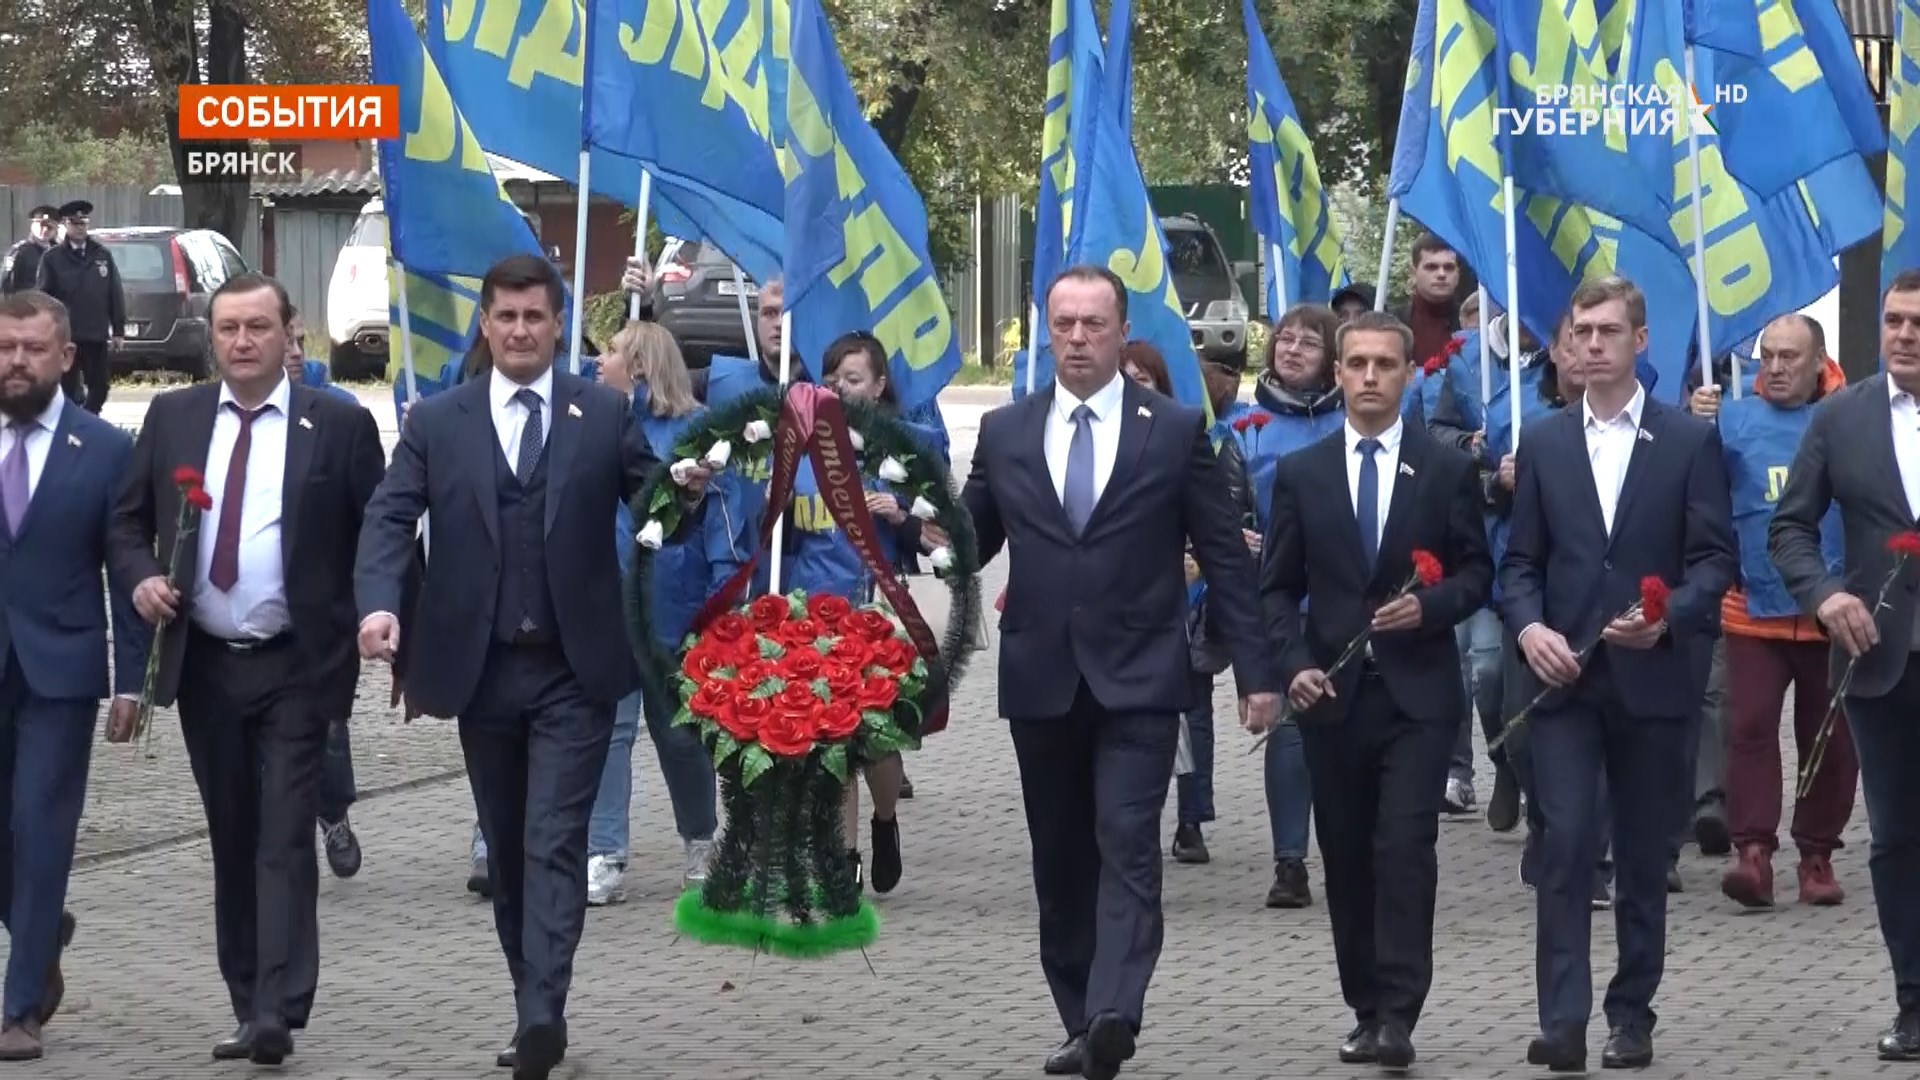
x: 13, y: 474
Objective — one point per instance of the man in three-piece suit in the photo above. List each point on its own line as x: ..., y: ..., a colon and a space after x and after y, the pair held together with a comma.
x: 517, y: 630
x: 1095, y: 486
x: 1378, y: 733
x: 258, y: 647
x: 59, y: 468
x: 1620, y: 489
x: 1862, y: 452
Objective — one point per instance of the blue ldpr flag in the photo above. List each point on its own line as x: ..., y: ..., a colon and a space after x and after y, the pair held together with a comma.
x: 1114, y: 226
x: 1075, y: 59
x: 1119, y: 62
x: 521, y: 81
x: 1286, y: 198
x: 1731, y: 26
x: 662, y: 92
x: 856, y: 228
x: 1900, y: 244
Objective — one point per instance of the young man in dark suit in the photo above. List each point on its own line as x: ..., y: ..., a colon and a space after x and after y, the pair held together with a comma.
x: 258, y: 646
x: 517, y: 631
x: 59, y: 468
x: 1095, y: 485
x: 1617, y: 490
x: 1862, y: 453
x: 1379, y: 732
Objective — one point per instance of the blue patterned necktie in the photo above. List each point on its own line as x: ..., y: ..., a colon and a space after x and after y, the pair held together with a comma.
x: 1077, y: 498
x: 1367, y: 503
x: 532, y: 440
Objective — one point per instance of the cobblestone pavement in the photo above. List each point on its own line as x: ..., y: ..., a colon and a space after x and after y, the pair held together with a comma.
x: 413, y: 984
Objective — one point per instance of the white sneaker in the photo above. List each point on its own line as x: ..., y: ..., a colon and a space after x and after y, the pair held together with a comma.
x: 699, y: 854
x: 603, y: 881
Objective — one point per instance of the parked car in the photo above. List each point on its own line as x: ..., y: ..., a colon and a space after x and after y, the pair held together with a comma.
x: 357, y: 304
x: 1216, y: 311
x: 696, y: 296
x: 169, y: 274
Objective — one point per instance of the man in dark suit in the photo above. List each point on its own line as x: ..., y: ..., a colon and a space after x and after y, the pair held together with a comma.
x: 59, y: 467
x: 263, y: 651
x: 1620, y: 489
x: 1862, y: 451
x: 517, y: 630
x: 1095, y: 486
x: 1378, y: 733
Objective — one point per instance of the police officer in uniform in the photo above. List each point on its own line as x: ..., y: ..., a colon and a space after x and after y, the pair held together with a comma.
x: 23, y: 260
x: 80, y: 273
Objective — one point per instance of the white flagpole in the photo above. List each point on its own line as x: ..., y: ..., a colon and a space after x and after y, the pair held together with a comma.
x: 1700, y: 253
x: 1513, y: 309
x: 1386, y: 255
x: 1486, y: 356
x: 1279, y: 273
x: 639, y: 234
x: 583, y: 196
x: 746, y: 319
x: 780, y: 517
x: 1033, y: 335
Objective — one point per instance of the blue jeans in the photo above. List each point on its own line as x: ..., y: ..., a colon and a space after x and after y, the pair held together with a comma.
x: 1289, y: 793
x: 683, y: 762
x: 1479, y: 637
x: 1194, y: 791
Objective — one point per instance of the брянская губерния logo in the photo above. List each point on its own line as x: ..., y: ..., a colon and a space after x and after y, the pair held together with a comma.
x: 1621, y: 108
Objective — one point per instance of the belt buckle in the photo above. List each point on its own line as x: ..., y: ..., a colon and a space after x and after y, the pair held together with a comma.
x: 248, y: 645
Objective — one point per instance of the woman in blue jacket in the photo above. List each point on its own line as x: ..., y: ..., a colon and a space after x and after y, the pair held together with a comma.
x: 820, y: 560
x: 644, y: 363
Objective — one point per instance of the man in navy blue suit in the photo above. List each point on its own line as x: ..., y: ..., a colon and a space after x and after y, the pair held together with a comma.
x: 1620, y: 489
x: 1096, y: 487
x: 59, y: 468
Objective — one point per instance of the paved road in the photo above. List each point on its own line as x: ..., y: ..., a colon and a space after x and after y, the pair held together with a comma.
x: 414, y: 986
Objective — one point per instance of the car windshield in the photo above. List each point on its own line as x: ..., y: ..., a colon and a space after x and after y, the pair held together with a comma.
x: 140, y: 260
x: 1200, y: 274
x: 369, y: 231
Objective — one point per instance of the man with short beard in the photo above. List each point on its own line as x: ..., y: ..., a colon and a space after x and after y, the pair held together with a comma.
x: 59, y: 466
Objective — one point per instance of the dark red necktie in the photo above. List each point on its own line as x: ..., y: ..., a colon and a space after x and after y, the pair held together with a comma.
x: 225, y: 570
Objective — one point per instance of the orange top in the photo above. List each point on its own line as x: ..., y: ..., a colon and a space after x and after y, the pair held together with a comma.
x: 1733, y: 607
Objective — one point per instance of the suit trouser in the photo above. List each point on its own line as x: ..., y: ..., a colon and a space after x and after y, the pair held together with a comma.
x: 256, y: 744
x: 1586, y: 735
x: 1886, y: 733
x: 1094, y: 783
x: 337, y: 789
x: 535, y: 746
x: 90, y: 365
x: 46, y: 747
x: 1374, y: 773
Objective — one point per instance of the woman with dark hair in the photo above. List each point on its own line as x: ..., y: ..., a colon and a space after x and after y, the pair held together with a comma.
x: 1142, y: 363
x: 821, y: 561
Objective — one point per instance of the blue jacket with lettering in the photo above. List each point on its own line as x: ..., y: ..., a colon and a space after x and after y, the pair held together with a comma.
x: 1294, y: 421
x: 1758, y: 440
x: 688, y: 570
x: 818, y: 557
x: 313, y: 373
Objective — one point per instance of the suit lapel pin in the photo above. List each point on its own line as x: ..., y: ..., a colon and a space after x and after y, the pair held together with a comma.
x: 573, y: 410
x: 1146, y: 412
x: 306, y: 423
x: 73, y: 440
x: 1406, y: 469
x: 1645, y: 435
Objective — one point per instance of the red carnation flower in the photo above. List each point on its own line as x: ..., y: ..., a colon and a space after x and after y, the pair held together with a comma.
x: 1242, y: 424
x: 1454, y: 345
x: 198, y: 498
x: 1426, y: 567
x: 1653, y: 599
x: 768, y: 612
x: 1434, y: 363
x: 1905, y: 544
x: 1259, y: 420
x: 187, y: 476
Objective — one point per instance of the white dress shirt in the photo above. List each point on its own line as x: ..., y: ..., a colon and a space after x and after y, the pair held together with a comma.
x: 39, y: 441
x: 257, y: 606
x: 1906, y: 444
x: 1105, y: 423
x: 510, y: 416
x: 1610, y: 448
x: 1386, y: 460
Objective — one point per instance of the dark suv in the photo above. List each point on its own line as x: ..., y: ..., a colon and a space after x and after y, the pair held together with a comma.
x: 695, y: 297
x: 169, y: 274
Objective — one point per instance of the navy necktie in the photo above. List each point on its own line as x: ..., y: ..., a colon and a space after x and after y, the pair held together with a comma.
x: 1366, y: 510
x: 532, y: 440
x: 1077, y: 496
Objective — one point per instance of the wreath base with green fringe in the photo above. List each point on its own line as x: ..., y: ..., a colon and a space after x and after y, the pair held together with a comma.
x: 762, y: 933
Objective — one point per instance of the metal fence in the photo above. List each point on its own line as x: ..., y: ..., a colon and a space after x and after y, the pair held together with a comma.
x: 113, y: 205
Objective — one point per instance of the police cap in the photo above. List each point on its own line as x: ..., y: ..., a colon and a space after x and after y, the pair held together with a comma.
x: 78, y: 208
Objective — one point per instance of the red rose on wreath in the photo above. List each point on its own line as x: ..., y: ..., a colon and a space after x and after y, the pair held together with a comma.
x: 797, y: 697
x: 744, y: 716
x: 838, y: 721
x: 851, y: 651
x: 800, y: 633
x: 843, y: 682
x: 895, y: 655
x: 711, y: 700
x: 730, y: 629
x: 801, y: 664
x: 869, y: 624
x: 752, y: 675
x: 828, y: 610
x: 787, y: 734
x: 745, y: 651
x: 878, y: 692
x: 703, y: 660
x: 768, y: 612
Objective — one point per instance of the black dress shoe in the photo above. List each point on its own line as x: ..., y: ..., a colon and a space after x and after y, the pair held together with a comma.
x: 1565, y: 1053
x: 1503, y: 810
x: 507, y: 1058
x: 1109, y: 1043
x: 1189, y: 846
x: 1066, y: 1061
x: 539, y: 1049
x: 1627, y: 1048
x: 1394, y: 1046
x: 272, y: 1042
x: 1362, y: 1046
x: 1711, y: 834
x: 238, y: 1047
x: 1902, y: 1041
